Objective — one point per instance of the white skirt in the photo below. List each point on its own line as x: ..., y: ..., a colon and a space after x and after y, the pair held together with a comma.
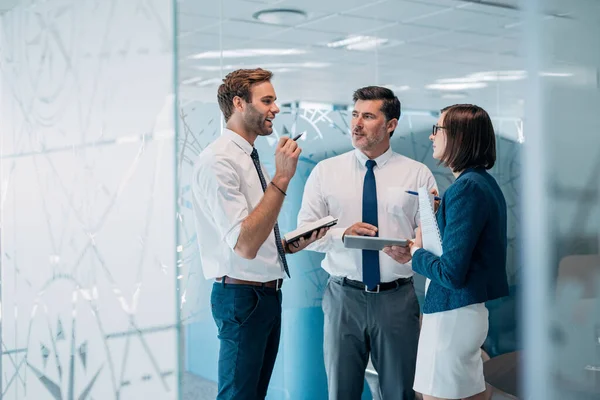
x: 449, y: 361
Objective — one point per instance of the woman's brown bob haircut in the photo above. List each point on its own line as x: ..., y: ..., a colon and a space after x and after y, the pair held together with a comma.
x: 470, y: 138
x: 238, y: 83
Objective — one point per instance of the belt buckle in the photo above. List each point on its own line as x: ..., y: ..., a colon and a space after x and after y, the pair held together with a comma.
x: 372, y: 291
x: 277, y: 285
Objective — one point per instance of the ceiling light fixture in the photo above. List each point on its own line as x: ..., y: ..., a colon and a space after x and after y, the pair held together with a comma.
x: 282, y: 70
x: 192, y: 81
x: 478, y: 80
x: 311, y: 105
x: 498, y: 76
x: 396, y: 88
x: 243, y: 53
x: 456, y: 86
x: 347, y: 41
x: 358, y: 42
x: 200, y: 82
x: 270, y: 66
x: 466, y: 79
x: 457, y: 95
x: 367, y: 44
x: 209, y: 82
x: 556, y: 74
x: 280, y: 16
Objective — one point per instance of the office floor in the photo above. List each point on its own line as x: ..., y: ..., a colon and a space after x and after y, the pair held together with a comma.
x: 196, y: 388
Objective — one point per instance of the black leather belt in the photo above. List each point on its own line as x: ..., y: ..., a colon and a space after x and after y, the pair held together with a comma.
x: 382, y: 287
x: 275, y: 284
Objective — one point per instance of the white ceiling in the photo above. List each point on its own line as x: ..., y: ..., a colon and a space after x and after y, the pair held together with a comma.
x: 428, y: 40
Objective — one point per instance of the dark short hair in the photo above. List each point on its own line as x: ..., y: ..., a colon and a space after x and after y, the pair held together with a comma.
x: 470, y: 137
x: 390, y: 104
x: 239, y: 83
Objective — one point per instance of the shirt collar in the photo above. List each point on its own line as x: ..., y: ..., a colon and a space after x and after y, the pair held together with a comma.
x: 381, y: 160
x: 240, y: 141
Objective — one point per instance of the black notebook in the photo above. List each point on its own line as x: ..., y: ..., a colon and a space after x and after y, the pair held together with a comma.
x: 307, y: 230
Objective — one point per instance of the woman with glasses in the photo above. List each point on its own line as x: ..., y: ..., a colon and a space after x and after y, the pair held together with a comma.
x: 472, y: 268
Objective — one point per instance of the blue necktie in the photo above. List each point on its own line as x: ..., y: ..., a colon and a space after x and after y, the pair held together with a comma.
x: 370, y: 258
x: 263, y: 183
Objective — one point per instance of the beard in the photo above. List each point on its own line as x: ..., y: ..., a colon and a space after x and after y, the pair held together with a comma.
x: 255, y: 122
x: 368, y: 142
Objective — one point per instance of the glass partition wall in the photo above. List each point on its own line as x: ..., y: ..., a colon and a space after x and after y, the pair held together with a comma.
x: 87, y: 204
x: 561, y: 280
x: 431, y: 53
x: 105, y: 107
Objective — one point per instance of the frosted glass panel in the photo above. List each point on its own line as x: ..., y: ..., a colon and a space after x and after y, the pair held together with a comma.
x: 89, y: 305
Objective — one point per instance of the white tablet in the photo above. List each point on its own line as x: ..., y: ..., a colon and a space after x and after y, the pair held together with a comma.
x: 371, y: 243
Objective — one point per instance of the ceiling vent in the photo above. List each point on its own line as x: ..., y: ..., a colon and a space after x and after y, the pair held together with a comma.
x: 281, y: 16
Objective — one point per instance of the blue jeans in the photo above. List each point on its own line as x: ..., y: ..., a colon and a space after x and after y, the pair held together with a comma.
x: 248, y: 319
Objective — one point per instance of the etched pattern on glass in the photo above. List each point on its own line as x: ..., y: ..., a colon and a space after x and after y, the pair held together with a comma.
x: 325, y: 134
x: 89, y: 307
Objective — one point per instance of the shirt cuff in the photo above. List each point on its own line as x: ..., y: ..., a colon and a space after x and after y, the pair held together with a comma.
x: 336, y: 236
x: 233, y: 235
x: 413, y: 249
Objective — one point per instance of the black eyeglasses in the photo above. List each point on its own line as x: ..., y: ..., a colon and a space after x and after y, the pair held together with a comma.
x: 436, y: 128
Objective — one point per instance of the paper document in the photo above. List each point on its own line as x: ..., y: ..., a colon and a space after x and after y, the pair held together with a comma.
x: 432, y: 240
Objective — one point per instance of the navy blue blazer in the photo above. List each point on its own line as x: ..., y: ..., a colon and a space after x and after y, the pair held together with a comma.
x: 472, y: 268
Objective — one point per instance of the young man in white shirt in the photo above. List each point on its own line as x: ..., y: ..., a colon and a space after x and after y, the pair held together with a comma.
x: 369, y: 304
x: 236, y: 207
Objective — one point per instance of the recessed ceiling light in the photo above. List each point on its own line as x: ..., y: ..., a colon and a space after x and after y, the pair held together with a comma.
x: 456, y: 95
x: 467, y: 79
x: 199, y: 81
x: 347, y: 41
x: 475, y: 81
x: 397, y: 88
x: 210, y: 82
x: 456, y: 86
x: 311, y: 105
x: 270, y: 66
x: 242, y: 53
x: 192, y: 81
x: 358, y: 42
x: 280, y: 16
x: 557, y: 74
x: 498, y: 76
x: 367, y: 44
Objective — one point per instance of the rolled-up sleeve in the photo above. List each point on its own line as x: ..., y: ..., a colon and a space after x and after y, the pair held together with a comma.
x: 217, y: 188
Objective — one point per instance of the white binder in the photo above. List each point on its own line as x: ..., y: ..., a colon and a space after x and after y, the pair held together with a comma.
x: 432, y: 240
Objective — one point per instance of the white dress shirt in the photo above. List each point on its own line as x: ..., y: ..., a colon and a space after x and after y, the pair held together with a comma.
x: 226, y: 189
x: 335, y: 187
